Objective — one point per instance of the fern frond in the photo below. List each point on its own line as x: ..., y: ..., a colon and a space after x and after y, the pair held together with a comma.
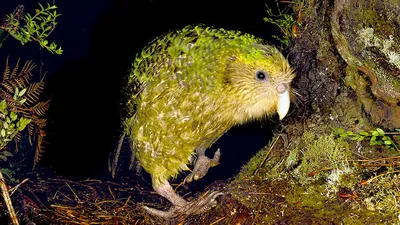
x: 7, y: 71
x: 33, y: 93
x: 21, y: 82
x: 26, y: 113
x: 40, y: 122
x: 6, y: 96
x: 31, y: 130
x: 15, y: 70
x: 39, y: 147
x: 26, y: 70
x: 8, y: 86
x: 17, y: 139
x: 41, y: 108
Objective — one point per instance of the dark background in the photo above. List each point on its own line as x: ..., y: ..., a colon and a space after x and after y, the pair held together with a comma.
x: 100, y: 40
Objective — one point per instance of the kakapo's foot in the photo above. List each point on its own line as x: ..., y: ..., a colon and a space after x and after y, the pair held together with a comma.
x: 180, y: 205
x: 202, y: 164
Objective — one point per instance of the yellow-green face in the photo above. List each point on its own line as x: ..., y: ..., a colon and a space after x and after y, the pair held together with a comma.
x: 259, y: 82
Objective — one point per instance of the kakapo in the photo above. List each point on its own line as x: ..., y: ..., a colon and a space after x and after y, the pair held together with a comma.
x: 186, y: 89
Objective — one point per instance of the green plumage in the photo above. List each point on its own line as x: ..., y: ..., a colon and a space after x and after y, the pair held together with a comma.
x: 188, y: 87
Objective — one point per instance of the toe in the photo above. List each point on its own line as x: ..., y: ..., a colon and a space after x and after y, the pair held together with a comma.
x: 164, y: 214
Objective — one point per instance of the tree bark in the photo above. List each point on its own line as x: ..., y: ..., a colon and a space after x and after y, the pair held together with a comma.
x: 349, y: 46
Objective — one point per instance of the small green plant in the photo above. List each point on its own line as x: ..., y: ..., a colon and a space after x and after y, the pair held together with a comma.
x: 286, y: 24
x: 35, y: 27
x: 11, y: 123
x: 376, y: 137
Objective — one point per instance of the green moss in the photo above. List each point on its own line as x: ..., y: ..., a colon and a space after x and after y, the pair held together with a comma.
x: 368, y: 14
x: 320, y: 154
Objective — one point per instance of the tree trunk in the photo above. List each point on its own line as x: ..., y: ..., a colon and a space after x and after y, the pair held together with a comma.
x: 349, y: 44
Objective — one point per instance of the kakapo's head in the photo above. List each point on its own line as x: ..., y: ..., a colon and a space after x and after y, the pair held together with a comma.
x: 258, y: 79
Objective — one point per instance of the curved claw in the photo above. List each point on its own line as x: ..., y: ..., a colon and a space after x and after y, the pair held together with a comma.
x: 203, y: 163
x: 202, y: 204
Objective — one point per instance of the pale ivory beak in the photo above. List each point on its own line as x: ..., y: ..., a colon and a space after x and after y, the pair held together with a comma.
x: 283, y: 103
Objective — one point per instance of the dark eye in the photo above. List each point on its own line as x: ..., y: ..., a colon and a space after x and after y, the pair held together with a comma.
x: 261, y: 75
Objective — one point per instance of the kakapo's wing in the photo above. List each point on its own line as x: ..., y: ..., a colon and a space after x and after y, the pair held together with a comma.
x: 147, y: 65
x: 158, y: 55
x: 166, y: 55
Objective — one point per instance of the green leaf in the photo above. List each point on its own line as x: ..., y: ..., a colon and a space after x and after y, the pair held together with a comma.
x: 388, y: 142
x: 3, y: 132
x: 13, y: 116
x: 355, y: 138
x: 7, y: 153
x: 23, y: 91
x: 385, y: 138
x: 364, y: 133
x: 373, y: 138
x: 23, y: 122
x: 7, y: 171
x: 3, y: 106
x: 380, y: 131
x: 22, y: 101
x: 375, y: 133
x: 2, y: 157
x: 16, y: 93
x: 360, y: 138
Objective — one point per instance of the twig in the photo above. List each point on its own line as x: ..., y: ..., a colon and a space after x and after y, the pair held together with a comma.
x: 12, y: 190
x: 218, y: 220
x: 112, y: 194
x: 7, y: 200
x: 266, y: 156
x: 73, y: 192
x: 257, y: 212
x: 376, y: 177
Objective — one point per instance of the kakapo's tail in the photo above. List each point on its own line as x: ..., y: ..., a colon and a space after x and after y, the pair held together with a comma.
x: 114, y: 158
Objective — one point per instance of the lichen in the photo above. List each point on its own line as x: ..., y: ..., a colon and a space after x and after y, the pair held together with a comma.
x: 367, y: 38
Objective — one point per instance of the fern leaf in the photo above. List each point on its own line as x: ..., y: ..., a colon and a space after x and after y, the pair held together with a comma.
x: 41, y: 108
x: 40, y: 122
x: 8, y: 86
x: 31, y: 130
x: 6, y: 74
x: 17, y: 139
x: 27, y: 69
x: 6, y: 96
x: 15, y: 70
x: 39, y: 147
x: 33, y: 93
x: 26, y: 113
